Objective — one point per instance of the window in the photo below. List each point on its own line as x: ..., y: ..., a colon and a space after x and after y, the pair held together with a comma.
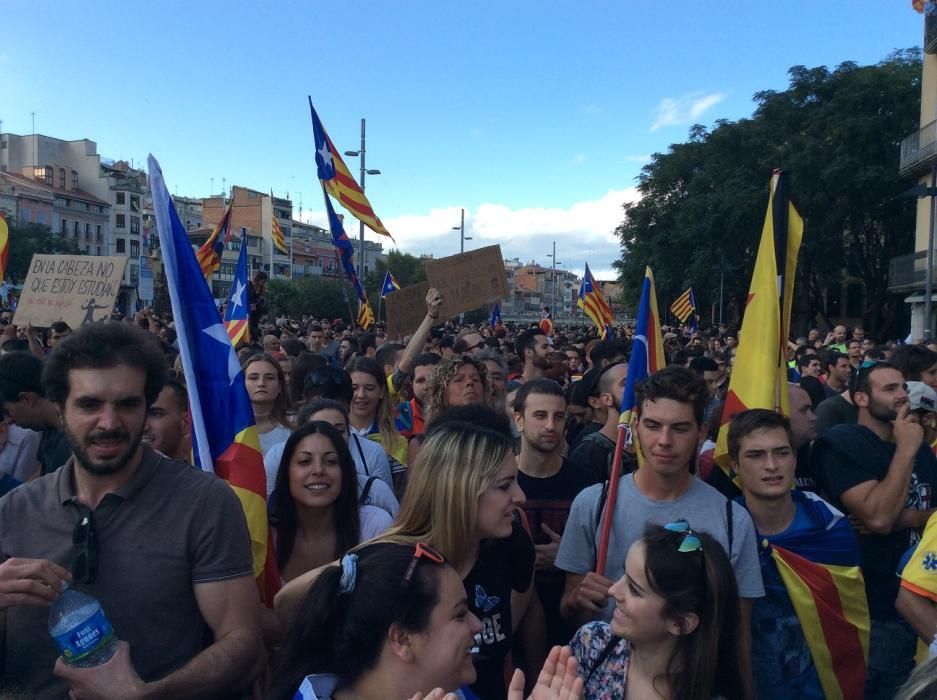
x: 121, y: 198
x: 99, y: 250
x: 87, y: 232
x: 121, y: 245
x: 49, y: 174
x: 134, y: 249
x: 121, y: 221
x: 62, y: 178
x: 74, y: 180
x: 134, y: 203
x: 64, y: 227
x: 99, y: 238
x: 42, y: 217
x: 134, y: 224
x: 75, y: 229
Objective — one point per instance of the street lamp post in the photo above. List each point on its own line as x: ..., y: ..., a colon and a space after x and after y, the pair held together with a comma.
x: 553, y: 277
x: 461, y: 229
x: 360, y: 154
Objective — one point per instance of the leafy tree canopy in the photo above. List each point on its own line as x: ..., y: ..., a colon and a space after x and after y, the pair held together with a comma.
x: 26, y: 239
x: 838, y: 134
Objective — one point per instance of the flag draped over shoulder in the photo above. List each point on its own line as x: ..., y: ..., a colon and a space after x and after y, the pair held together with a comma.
x: 4, y: 246
x: 209, y: 255
x: 278, y: 239
x: 236, y: 313
x: 759, y: 378
x: 338, y: 181
x: 593, y: 302
x: 820, y: 570
x: 223, y: 428
x: 647, y: 351
x: 390, y: 285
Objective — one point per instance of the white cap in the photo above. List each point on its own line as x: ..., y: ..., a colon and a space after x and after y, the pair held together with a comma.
x: 921, y: 397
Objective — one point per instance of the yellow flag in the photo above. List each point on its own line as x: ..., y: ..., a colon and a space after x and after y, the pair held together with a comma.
x: 365, y: 315
x: 759, y: 379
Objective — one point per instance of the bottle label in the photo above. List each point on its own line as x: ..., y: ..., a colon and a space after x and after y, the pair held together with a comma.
x: 86, y: 638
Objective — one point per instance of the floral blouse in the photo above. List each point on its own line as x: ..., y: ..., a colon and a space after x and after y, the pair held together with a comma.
x: 604, y: 680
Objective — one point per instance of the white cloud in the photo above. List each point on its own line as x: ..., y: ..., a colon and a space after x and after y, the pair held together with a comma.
x: 686, y: 109
x: 583, y: 232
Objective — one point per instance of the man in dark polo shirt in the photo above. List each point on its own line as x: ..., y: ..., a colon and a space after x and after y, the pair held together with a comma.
x: 168, y: 553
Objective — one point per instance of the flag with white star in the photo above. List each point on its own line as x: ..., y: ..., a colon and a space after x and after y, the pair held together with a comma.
x: 236, y: 310
x: 338, y: 180
x: 225, y: 439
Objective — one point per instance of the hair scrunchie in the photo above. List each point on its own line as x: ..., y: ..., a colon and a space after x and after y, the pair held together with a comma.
x: 349, y: 574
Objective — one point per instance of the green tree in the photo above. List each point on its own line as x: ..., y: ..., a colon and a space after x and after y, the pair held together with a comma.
x: 407, y: 269
x: 309, y: 296
x: 27, y: 239
x: 837, y: 133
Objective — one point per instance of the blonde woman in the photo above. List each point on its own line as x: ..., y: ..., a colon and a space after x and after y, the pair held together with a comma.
x: 462, y: 499
x: 458, y: 381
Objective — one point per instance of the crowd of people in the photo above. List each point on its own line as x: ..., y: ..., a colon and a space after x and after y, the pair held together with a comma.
x: 435, y: 505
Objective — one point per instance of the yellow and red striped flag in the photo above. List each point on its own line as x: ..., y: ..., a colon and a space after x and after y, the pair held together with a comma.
x: 684, y: 306
x: 278, y: 240
x: 4, y: 246
x: 338, y: 180
x: 209, y: 255
x: 759, y: 378
x: 365, y: 314
x: 593, y: 302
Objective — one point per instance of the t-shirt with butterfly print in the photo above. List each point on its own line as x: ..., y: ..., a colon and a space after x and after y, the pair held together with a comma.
x: 503, y: 566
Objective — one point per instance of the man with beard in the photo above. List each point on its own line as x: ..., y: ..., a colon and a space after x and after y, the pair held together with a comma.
x: 164, y: 547
x: 882, y: 473
x: 550, y: 482
x: 533, y: 347
x: 595, y: 450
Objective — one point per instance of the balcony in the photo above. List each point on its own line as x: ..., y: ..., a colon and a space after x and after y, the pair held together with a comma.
x: 908, y: 272
x: 918, y: 150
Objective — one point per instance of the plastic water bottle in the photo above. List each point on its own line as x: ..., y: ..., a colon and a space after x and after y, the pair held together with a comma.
x: 81, y: 630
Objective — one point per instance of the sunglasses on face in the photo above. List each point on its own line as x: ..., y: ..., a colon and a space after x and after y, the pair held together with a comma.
x: 85, y: 563
x: 422, y: 551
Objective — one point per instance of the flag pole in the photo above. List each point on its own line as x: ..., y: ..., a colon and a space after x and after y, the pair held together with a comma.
x: 611, y: 499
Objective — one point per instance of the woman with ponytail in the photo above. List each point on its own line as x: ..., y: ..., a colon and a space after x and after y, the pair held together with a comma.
x: 392, y: 621
x: 674, y: 634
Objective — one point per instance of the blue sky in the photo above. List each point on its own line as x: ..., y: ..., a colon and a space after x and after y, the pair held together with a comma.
x: 534, y: 116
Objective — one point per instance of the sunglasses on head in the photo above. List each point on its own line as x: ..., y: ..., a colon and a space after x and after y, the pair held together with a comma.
x: 690, y: 542
x: 422, y: 551
x: 85, y: 563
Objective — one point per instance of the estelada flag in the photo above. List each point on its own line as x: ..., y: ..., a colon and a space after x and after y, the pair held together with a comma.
x: 236, y: 312
x: 592, y: 301
x: 209, y: 255
x: 759, y: 378
x: 224, y: 433
x: 819, y: 566
x: 338, y: 180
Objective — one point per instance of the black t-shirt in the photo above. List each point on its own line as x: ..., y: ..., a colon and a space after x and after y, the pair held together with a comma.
x: 503, y: 566
x: 805, y: 475
x: 595, y: 453
x: 849, y: 455
x: 54, y: 450
x: 587, y: 429
x: 548, y: 502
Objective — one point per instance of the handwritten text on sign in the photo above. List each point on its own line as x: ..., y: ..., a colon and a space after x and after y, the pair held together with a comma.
x: 469, y: 280
x: 76, y: 289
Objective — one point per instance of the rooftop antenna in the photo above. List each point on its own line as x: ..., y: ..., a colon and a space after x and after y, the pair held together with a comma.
x: 35, y: 157
x: 212, y: 187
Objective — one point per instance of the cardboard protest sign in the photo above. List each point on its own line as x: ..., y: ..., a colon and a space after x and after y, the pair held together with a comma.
x: 406, y: 309
x: 77, y: 289
x: 468, y: 280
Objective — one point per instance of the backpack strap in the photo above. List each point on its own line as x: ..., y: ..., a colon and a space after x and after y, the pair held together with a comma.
x: 603, y: 657
x: 729, y: 524
x: 363, y: 499
x: 364, y: 462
